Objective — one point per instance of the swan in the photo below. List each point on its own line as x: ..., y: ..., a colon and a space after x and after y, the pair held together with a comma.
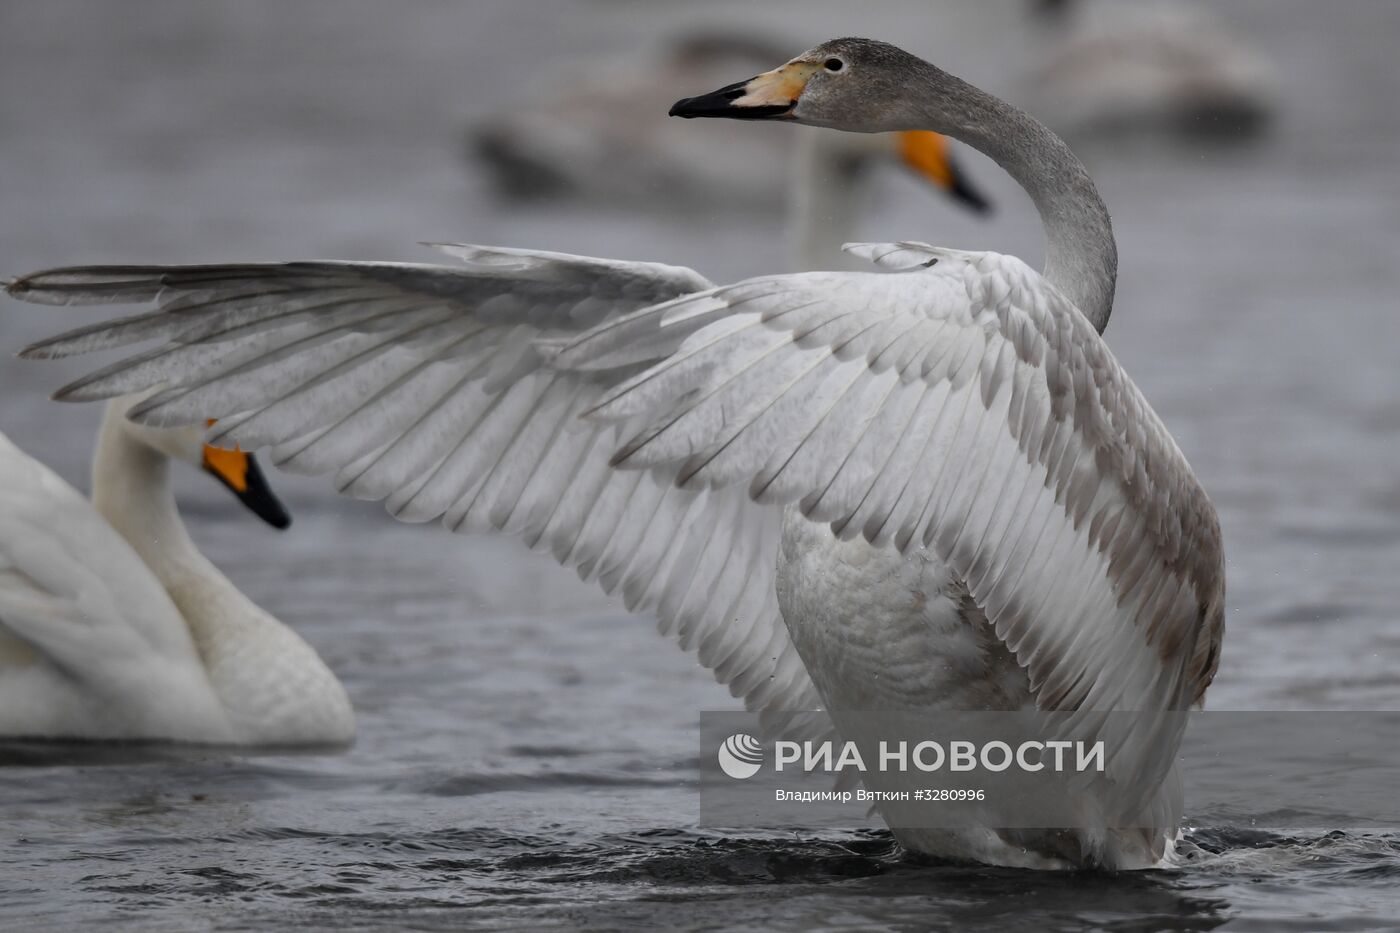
x: 598, y: 134
x: 114, y: 627
x: 928, y: 487
x: 829, y: 176
x: 1149, y: 66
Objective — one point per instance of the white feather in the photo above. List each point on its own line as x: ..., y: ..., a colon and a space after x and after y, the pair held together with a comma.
x: 961, y: 406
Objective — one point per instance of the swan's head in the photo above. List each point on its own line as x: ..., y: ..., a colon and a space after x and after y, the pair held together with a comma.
x: 859, y: 85
x: 235, y: 469
x: 847, y: 84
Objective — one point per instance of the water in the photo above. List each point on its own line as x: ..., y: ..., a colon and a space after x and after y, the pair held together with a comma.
x: 526, y: 753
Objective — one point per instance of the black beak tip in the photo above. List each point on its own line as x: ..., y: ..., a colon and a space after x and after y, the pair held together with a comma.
x: 966, y: 194
x: 721, y: 104
x: 258, y: 498
x: 279, y: 519
x: 262, y: 502
x: 977, y: 204
x: 972, y: 199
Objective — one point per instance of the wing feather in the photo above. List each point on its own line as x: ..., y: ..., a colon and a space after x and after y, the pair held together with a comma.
x: 962, y: 405
x: 427, y: 387
x: 1013, y: 446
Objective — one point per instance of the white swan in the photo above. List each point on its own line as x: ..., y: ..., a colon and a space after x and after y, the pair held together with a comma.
x: 1174, y: 68
x: 599, y: 135
x: 934, y: 489
x: 114, y: 626
x: 829, y: 180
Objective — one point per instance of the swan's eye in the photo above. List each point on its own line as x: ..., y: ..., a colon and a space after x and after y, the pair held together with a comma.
x: 834, y: 64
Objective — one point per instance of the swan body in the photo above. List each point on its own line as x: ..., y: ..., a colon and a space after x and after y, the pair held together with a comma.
x: 886, y: 631
x: 1151, y: 67
x: 114, y: 627
x: 927, y: 486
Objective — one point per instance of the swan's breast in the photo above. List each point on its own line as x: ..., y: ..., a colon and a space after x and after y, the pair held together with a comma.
x: 880, y: 630
x: 272, y: 685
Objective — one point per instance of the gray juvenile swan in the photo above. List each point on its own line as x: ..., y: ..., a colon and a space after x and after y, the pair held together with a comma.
x: 922, y: 490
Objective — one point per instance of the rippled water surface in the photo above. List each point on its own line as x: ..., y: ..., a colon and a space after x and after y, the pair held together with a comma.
x: 526, y: 753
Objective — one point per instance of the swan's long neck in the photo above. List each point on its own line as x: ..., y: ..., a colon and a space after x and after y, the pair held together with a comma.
x: 826, y: 187
x: 273, y: 685
x: 131, y: 490
x: 1081, y: 257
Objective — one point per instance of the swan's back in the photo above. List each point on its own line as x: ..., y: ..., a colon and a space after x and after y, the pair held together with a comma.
x: 91, y: 645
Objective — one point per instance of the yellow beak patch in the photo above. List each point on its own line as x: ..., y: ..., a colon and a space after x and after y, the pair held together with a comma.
x: 931, y: 156
x: 239, y: 472
x: 926, y: 152
x: 778, y: 88
x: 231, y: 466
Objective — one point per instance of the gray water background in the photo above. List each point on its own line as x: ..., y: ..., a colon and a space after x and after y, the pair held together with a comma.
x: 526, y: 753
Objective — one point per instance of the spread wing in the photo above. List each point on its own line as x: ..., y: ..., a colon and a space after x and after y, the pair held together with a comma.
x: 424, y: 386
x: 964, y: 406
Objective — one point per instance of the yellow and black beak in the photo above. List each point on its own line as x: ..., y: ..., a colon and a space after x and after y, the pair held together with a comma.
x: 769, y: 96
x: 930, y: 155
x: 773, y: 95
x: 240, y: 473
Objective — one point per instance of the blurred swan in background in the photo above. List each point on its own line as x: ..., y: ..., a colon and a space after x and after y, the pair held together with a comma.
x: 829, y: 181
x: 931, y: 488
x: 599, y: 135
x: 1172, y: 67
x: 114, y: 626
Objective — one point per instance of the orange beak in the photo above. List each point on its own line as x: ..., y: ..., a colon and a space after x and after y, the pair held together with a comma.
x: 930, y: 155
x: 241, y: 474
